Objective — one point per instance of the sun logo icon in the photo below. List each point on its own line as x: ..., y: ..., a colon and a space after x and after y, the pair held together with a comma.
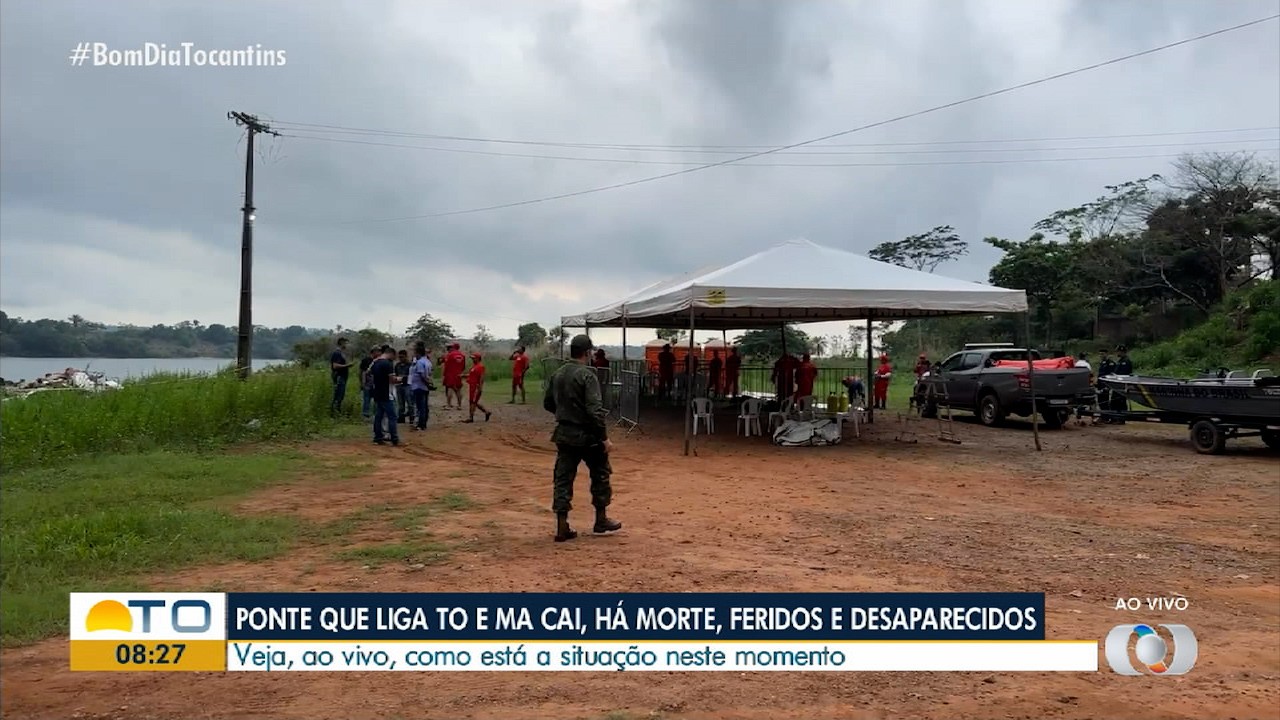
x: 109, y: 615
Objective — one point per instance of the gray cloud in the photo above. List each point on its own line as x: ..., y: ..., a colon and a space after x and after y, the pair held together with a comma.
x: 120, y: 187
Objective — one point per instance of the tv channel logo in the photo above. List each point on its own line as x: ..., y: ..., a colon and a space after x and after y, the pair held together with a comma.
x: 148, y: 616
x: 1151, y: 650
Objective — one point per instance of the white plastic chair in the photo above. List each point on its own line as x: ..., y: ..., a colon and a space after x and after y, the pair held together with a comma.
x: 749, y: 418
x: 804, y: 407
x: 702, y: 411
x: 858, y: 415
x: 782, y: 414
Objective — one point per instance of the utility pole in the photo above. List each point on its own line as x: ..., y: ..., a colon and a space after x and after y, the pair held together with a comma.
x: 244, y: 355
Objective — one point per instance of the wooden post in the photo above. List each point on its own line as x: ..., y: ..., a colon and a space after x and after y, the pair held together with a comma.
x: 868, y: 385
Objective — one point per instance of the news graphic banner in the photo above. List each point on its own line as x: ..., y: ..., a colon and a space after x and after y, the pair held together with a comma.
x: 415, y: 632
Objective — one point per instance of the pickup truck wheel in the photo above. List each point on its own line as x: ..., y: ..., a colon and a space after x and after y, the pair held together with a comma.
x: 989, y: 411
x: 1207, y: 437
x: 1271, y: 438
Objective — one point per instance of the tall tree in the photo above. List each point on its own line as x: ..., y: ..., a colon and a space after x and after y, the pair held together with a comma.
x: 671, y: 335
x: 433, y: 332
x: 557, y: 337
x: 1040, y: 267
x: 531, y: 335
x: 766, y: 345
x: 925, y: 251
x: 483, y: 339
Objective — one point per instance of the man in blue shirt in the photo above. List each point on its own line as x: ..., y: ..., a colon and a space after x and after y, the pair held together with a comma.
x: 382, y: 377
x: 339, y: 369
x: 420, y: 383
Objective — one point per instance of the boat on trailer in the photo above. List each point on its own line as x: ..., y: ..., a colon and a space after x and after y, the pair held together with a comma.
x: 1215, y: 407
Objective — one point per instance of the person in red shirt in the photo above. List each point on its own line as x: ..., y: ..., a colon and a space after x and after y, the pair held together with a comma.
x: 806, y: 374
x: 452, y: 368
x: 881, y: 391
x: 922, y: 365
x: 713, y: 373
x: 475, y: 386
x: 732, y: 366
x: 600, y: 360
x: 519, y: 366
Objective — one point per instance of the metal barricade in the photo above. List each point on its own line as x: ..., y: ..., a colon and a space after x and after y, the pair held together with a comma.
x: 549, y: 368
x: 629, y: 400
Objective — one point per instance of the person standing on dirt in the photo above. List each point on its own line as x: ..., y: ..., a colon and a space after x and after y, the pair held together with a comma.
x: 519, y: 366
x: 475, y: 386
x: 366, y: 383
x: 714, y: 369
x: 339, y: 370
x: 666, y: 371
x: 732, y: 367
x: 453, y: 366
x: 581, y: 436
x: 382, y: 377
x: 806, y: 374
x: 403, y: 408
x: 884, y: 374
x: 420, y: 385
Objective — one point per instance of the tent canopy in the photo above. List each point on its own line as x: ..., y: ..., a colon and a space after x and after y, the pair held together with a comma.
x: 798, y: 282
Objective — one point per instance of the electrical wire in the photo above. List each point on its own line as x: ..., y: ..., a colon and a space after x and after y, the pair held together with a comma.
x: 635, y: 161
x: 868, y: 126
x: 733, y: 149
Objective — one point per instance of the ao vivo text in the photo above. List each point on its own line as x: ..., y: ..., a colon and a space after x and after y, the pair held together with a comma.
x: 1176, y: 602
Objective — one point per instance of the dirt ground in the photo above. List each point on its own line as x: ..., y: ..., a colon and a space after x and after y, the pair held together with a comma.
x: 1101, y: 513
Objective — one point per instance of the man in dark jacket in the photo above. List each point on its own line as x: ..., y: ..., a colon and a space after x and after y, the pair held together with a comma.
x: 581, y: 435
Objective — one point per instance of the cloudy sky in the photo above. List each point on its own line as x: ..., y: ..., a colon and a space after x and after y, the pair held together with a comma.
x: 120, y: 187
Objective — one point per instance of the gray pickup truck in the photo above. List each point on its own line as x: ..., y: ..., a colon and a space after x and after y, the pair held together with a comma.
x: 968, y: 380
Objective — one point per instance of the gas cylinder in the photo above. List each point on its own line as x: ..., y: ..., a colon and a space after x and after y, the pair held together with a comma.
x: 833, y: 403
x: 843, y: 403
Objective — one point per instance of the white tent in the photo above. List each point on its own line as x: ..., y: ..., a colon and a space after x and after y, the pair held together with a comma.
x: 798, y: 282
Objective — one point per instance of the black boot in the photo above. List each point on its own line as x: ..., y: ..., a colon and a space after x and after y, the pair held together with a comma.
x: 563, y: 531
x: 604, y: 524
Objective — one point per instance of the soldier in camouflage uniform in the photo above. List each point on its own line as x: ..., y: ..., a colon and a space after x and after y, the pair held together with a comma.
x: 581, y: 435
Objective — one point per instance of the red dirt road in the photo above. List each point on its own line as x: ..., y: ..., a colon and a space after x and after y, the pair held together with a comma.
x: 1102, y: 513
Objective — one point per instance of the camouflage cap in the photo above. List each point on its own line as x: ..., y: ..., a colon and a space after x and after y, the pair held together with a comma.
x: 580, y: 343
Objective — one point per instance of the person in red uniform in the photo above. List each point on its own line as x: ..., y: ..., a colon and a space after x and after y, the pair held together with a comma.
x: 475, y: 385
x: 713, y: 373
x: 732, y: 366
x: 666, y: 371
x: 883, y: 375
x: 452, y: 368
x: 519, y: 366
x: 922, y: 365
x: 806, y: 374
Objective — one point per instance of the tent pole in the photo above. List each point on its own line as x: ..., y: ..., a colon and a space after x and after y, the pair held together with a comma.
x: 782, y: 367
x: 867, y: 384
x: 624, y: 337
x: 1031, y: 382
x: 586, y: 329
x: 688, y: 386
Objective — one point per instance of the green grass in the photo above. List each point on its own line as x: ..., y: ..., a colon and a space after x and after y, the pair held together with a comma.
x: 166, y: 412
x: 101, y: 524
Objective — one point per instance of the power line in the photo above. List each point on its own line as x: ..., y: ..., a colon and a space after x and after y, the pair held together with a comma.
x: 918, y: 113
x: 635, y: 161
x: 731, y: 149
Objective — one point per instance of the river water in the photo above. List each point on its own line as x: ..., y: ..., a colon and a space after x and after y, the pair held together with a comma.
x: 16, y: 369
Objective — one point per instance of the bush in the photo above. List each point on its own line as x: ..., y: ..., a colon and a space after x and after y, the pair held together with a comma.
x: 167, y: 411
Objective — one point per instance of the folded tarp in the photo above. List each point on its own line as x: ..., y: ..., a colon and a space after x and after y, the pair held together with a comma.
x: 801, y: 433
x: 1046, y: 364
